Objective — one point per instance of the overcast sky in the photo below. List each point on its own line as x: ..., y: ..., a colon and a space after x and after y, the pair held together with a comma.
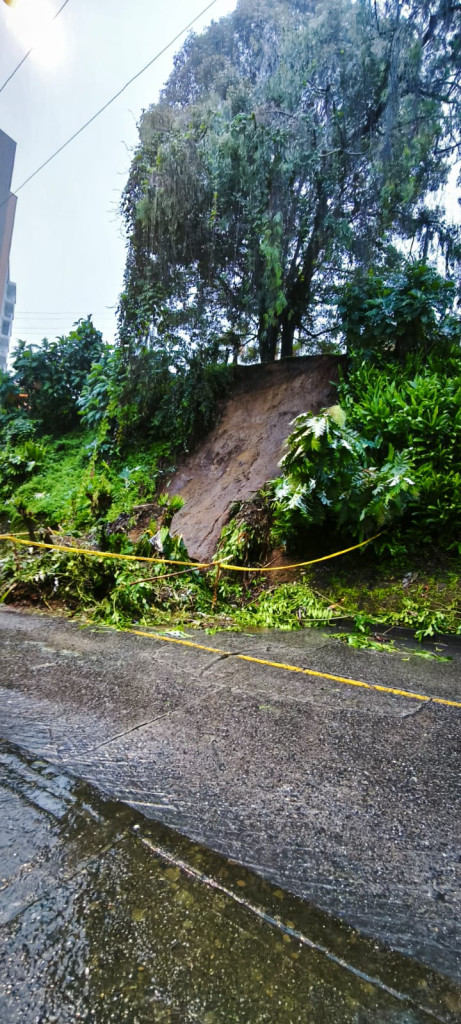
x: 68, y: 250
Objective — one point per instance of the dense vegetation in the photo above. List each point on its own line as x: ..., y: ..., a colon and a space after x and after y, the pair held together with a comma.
x: 389, y: 453
x: 284, y: 198
x: 294, y: 142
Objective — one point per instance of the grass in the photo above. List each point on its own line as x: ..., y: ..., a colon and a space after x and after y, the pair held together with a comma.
x: 423, y: 595
x: 77, y: 489
x: 55, y: 494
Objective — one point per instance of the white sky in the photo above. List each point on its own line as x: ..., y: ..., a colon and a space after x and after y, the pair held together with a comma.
x: 68, y: 250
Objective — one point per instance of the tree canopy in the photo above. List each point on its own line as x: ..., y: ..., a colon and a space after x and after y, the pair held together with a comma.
x: 49, y: 378
x: 295, y: 142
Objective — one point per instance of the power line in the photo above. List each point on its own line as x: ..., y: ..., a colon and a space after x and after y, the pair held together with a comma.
x: 58, y: 316
x: 36, y: 325
x: 39, y: 320
x: 113, y: 98
x: 59, y: 312
x: 54, y: 317
x: 21, y: 62
x: 53, y: 325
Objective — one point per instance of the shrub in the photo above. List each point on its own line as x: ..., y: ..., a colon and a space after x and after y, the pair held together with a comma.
x: 409, y: 312
x: 51, y: 375
x: 388, y: 454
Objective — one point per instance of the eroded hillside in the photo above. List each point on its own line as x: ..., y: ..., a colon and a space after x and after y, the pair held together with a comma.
x: 244, y: 449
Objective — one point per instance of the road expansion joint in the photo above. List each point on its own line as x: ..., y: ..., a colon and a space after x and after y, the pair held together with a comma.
x: 215, y: 661
x: 416, y: 711
x: 152, y: 721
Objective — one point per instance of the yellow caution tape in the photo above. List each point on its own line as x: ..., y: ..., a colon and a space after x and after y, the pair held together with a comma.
x: 409, y: 694
x: 299, y: 565
x: 169, y: 561
x: 100, y: 554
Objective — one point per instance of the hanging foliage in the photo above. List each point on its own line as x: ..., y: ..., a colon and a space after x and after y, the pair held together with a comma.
x: 294, y: 142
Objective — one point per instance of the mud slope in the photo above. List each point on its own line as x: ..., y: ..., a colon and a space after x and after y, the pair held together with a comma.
x: 244, y: 450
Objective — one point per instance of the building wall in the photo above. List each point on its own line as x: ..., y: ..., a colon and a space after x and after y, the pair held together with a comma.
x: 7, y: 212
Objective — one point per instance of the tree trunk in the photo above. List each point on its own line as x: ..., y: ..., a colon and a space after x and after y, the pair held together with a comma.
x: 288, y: 333
x: 298, y: 289
x: 267, y: 342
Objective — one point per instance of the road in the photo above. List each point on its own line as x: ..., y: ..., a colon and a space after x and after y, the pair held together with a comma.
x: 346, y: 796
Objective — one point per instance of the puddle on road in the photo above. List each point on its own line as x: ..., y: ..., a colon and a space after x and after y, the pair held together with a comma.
x: 106, y: 917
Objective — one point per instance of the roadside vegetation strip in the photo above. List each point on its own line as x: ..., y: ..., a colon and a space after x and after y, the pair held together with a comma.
x: 16, y: 539
x: 407, y: 694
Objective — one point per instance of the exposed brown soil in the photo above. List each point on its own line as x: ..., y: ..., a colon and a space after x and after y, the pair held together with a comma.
x: 243, y: 452
x: 136, y: 524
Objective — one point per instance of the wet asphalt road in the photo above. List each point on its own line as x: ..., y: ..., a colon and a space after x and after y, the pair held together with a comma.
x: 344, y: 796
x: 109, y: 918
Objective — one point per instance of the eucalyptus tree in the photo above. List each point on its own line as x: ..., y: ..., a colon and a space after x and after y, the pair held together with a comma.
x: 293, y: 143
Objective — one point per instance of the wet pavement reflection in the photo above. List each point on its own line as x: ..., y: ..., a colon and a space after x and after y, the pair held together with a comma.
x: 107, y: 917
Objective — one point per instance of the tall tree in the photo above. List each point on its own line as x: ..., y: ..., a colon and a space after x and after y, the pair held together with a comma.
x: 294, y: 142
x: 435, y: 26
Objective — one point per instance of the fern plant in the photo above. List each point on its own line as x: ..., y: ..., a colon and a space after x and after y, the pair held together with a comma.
x: 335, y: 476
x: 389, y: 454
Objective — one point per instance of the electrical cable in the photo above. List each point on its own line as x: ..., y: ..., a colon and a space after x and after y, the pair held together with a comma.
x: 21, y: 62
x: 59, y: 312
x: 112, y: 99
x: 58, y: 315
x: 31, y: 320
